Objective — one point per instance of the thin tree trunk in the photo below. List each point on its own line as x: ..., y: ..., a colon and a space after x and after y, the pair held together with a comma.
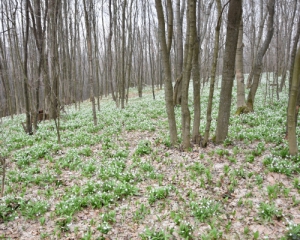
x: 283, y: 77
x: 259, y: 37
x: 213, y: 75
x: 109, y: 41
x: 165, y: 45
x: 196, y: 93
x: 54, y: 64
x: 87, y: 14
x: 123, y: 56
x: 188, y: 59
x: 239, y: 71
x: 293, y: 56
x: 258, y: 63
x: 25, y: 69
x: 292, y: 138
x: 234, y: 18
x: 179, y: 51
x: 5, y: 75
x: 196, y: 138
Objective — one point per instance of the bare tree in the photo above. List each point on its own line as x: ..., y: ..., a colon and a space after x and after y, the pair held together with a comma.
x: 39, y: 29
x: 287, y: 32
x: 203, y: 16
x: 4, y: 75
x: 293, y: 65
x: 87, y: 14
x: 109, y: 54
x: 291, y: 121
x: 256, y: 39
x: 258, y: 62
x: 165, y: 45
x: 179, y: 50
x: 54, y: 15
x: 234, y: 18
x: 213, y: 75
x: 239, y: 71
x: 123, y: 55
x: 25, y: 70
x: 187, y: 67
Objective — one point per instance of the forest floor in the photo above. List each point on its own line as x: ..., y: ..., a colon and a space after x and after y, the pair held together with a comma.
x: 122, y: 180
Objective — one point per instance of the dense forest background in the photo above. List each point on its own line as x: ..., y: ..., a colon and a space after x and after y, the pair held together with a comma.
x: 55, y: 53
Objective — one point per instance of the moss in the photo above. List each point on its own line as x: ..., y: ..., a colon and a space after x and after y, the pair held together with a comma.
x: 242, y: 110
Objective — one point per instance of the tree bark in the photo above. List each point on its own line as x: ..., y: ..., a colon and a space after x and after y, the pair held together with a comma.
x: 123, y: 56
x: 196, y: 95
x: 293, y: 57
x: 213, y: 75
x: 256, y: 44
x: 258, y: 62
x: 288, y: 55
x: 87, y: 14
x: 165, y: 45
x: 25, y: 69
x: 109, y: 54
x: 239, y: 69
x: 187, y: 67
x: 234, y: 18
x: 179, y: 50
x: 39, y: 34
x: 292, y: 138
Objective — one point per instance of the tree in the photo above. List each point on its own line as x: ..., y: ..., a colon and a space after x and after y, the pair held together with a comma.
x: 293, y: 59
x: 54, y: 14
x: 109, y: 51
x: 179, y: 50
x: 39, y: 30
x: 122, y: 95
x: 165, y: 45
x: 234, y: 18
x: 288, y: 31
x: 187, y: 67
x: 291, y: 120
x: 196, y: 67
x: 239, y: 72
x: 87, y: 14
x: 213, y: 75
x: 258, y: 62
x: 5, y: 78
x: 25, y: 71
x: 256, y: 39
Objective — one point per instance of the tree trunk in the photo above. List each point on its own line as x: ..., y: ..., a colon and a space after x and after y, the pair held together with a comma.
x: 258, y: 62
x: 123, y: 57
x: 165, y: 50
x: 179, y: 51
x: 25, y: 68
x: 256, y: 44
x: 109, y: 41
x: 4, y: 75
x: 54, y: 63
x: 187, y: 67
x: 196, y: 94
x: 287, y: 60
x: 292, y: 138
x: 293, y: 56
x: 239, y: 70
x: 87, y: 14
x: 39, y: 34
x: 213, y: 76
x: 234, y: 18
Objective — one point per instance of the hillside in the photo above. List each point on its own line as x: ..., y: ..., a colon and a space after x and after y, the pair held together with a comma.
x: 122, y: 180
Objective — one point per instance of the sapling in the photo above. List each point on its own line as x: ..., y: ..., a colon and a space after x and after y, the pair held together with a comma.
x: 3, y: 167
